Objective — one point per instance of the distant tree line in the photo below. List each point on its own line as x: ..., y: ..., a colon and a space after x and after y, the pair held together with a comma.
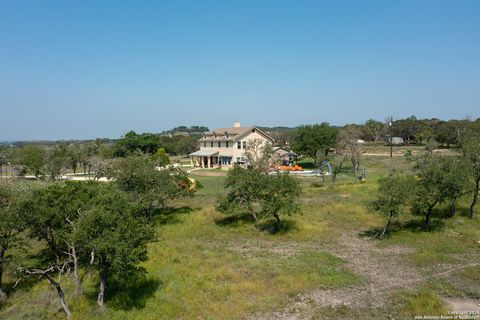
x: 319, y: 141
x: 411, y: 130
x: 53, y: 159
x: 185, y: 129
x: 149, y: 143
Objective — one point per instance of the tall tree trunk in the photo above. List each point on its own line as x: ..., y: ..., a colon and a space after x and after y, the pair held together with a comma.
x: 101, y: 292
x: 254, y: 217
x: 61, y: 295
x: 3, y: 295
x: 427, y: 216
x: 78, y: 284
x: 386, y: 227
x: 277, y: 218
x: 354, y: 166
x: 475, y: 199
x: 453, y: 208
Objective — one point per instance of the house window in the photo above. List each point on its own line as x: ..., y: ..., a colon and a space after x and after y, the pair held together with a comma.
x: 244, y: 144
x: 226, y: 145
x: 204, y: 144
x: 211, y: 144
x: 241, y: 160
x: 239, y: 144
x: 219, y: 144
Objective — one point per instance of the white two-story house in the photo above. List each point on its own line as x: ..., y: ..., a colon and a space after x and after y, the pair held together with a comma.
x: 226, y: 146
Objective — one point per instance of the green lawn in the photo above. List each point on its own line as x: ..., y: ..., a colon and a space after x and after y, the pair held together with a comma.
x: 208, y: 266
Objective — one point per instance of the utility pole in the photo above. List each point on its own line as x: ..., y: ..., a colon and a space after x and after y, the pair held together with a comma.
x: 391, y: 137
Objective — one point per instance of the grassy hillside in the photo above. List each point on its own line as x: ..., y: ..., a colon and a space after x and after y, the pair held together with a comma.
x: 324, y: 264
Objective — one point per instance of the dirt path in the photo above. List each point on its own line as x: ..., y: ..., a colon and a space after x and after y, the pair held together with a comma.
x: 463, y: 304
x: 382, y: 269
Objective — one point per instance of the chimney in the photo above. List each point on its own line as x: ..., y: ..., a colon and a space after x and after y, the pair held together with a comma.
x: 236, y: 124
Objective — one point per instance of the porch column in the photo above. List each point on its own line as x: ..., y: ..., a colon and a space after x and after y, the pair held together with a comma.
x: 209, y: 161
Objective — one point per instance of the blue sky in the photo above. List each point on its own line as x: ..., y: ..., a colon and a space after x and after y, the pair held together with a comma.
x: 86, y: 69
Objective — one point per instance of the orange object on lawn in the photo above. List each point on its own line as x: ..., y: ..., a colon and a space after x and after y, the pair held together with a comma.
x: 290, y: 167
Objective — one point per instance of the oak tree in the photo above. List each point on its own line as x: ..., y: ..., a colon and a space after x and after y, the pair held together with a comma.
x: 11, y: 224
x: 394, y: 191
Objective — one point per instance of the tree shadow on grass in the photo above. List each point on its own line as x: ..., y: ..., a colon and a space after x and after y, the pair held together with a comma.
x: 373, y: 232
x: 170, y: 215
x: 270, y: 226
x: 273, y: 227
x: 234, y: 220
x: 419, y: 225
x: 414, y: 225
x: 128, y: 294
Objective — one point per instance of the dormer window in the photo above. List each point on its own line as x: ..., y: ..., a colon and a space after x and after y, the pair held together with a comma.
x: 226, y: 135
x: 215, y: 135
